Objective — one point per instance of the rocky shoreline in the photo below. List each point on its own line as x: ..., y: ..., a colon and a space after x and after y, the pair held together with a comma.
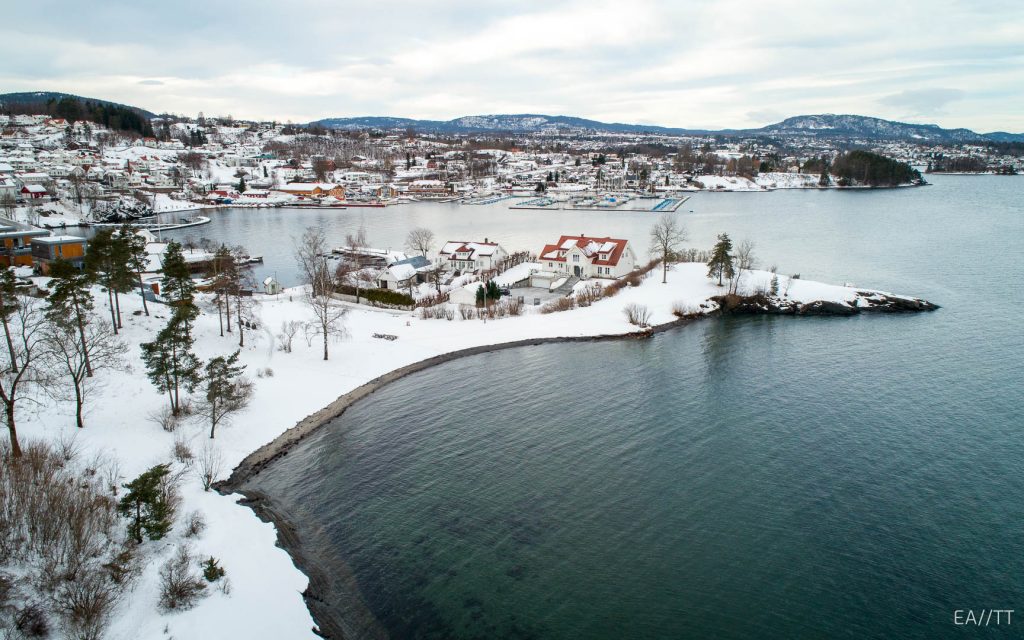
x: 865, y: 302
x: 322, y: 590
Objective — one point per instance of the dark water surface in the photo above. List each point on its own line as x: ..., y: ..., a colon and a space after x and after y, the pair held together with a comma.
x: 736, y: 478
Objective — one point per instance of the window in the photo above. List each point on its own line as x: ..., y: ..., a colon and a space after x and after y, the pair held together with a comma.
x: 575, y: 257
x: 550, y: 265
x: 604, y: 256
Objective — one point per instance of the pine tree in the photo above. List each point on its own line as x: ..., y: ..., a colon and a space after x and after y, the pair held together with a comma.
x: 226, y: 390
x: 138, y: 259
x: 8, y: 304
x: 170, y: 363
x: 70, y: 301
x: 493, y: 291
x: 148, y: 504
x: 720, y: 264
x: 241, y: 185
x: 176, y: 284
x: 107, y: 263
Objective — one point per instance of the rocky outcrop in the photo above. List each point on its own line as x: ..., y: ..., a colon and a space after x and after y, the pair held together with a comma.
x: 865, y: 301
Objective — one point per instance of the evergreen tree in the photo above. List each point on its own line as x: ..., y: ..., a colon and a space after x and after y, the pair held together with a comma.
x: 8, y: 304
x: 138, y: 259
x: 226, y: 391
x: 493, y: 291
x: 107, y: 263
x: 70, y: 302
x: 241, y: 185
x: 720, y: 264
x: 170, y: 363
x: 481, y: 296
x: 176, y: 284
x: 148, y: 504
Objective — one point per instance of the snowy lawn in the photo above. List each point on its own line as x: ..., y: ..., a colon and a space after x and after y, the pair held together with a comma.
x: 265, y: 588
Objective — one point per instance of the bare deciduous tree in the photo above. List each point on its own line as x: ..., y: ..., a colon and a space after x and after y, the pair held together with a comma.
x: 209, y: 465
x: 66, y: 353
x: 310, y: 255
x: 27, y: 371
x: 420, y: 240
x: 666, y: 236
x: 745, y: 260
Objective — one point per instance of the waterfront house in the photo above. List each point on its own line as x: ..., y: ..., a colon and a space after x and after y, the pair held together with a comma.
x: 15, y: 242
x: 403, y: 274
x: 588, y: 257
x: 45, y: 250
x: 462, y: 256
x: 313, y: 190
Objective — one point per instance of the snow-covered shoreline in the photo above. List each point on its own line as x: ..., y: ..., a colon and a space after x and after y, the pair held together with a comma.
x: 299, y: 387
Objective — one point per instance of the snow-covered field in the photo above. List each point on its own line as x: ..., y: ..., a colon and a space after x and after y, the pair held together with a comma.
x: 265, y: 597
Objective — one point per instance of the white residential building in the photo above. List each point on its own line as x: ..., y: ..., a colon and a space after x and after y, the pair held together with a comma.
x: 588, y: 257
x: 471, y: 256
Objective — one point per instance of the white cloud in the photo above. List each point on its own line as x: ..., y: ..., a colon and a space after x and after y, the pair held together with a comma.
x: 704, y: 63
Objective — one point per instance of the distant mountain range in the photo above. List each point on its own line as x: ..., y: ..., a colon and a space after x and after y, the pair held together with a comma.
x: 826, y: 126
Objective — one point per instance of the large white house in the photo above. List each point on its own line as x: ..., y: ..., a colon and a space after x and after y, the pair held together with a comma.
x: 588, y: 257
x: 471, y: 256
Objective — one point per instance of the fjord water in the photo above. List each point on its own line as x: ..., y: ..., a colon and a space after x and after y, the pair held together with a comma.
x: 734, y: 478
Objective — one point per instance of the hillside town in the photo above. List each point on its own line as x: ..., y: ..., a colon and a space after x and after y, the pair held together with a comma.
x: 56, y: 171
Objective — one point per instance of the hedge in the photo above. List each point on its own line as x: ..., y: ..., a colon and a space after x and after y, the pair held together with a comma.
x: 383, y: 296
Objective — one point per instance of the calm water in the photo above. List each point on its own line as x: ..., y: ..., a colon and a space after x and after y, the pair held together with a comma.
x: 737, y: 478
x: 830, y: 235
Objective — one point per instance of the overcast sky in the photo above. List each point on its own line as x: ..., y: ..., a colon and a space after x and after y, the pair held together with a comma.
x: 710, y: 64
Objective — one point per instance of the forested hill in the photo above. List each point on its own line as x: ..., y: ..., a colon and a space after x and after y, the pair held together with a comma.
x: 115, y: 116
x: 870, y: 169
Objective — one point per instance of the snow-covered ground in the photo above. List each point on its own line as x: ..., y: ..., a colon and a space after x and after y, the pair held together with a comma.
x: 265, y: 597
x: 761, y: 182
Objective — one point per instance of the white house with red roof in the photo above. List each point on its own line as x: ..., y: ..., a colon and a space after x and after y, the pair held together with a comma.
x: 588, y: 257
x: 471, y: 256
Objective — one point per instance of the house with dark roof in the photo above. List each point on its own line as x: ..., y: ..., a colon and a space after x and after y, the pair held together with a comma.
x: 588, y: 257
x: 403, y: 274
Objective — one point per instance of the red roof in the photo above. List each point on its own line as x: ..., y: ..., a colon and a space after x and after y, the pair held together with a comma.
x: 592, y: 247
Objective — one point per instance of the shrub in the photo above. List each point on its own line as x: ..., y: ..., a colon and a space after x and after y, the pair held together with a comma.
x: 31, y: 621
x: 181, y: 451
x: 558, y: 304
x: 212, y: 571
x: 59, y: 525
x: 467, y: 312
x: 194, y: 524
x: 124, y: 566
x: 164, y: 418
x: 513, y: 306
x: 437, y: 312
x: 682, y: 309
x: 380, y: 296
x: 210, y: 465
x: 637, y: 314
x: 589, y: 294
x: 432, y: 300
x: 180, y: 588
x: 87, y: 604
